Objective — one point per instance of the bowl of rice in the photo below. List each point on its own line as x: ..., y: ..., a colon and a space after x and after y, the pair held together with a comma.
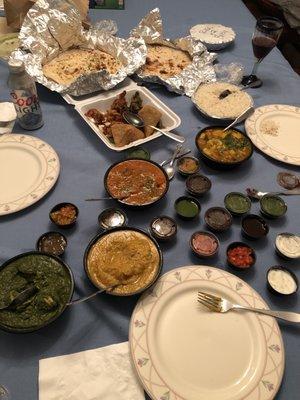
x: 208, y: 102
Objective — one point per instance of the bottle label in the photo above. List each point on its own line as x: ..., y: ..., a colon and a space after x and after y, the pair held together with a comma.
x: 25, y: 101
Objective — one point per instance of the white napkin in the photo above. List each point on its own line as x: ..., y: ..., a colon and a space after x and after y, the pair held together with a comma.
x: 100, y: 374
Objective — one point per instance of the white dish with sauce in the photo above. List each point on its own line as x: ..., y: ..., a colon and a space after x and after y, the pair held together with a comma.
x: 103, y: 101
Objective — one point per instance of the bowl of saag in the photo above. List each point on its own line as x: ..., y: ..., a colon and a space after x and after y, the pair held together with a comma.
x: 54, y: 286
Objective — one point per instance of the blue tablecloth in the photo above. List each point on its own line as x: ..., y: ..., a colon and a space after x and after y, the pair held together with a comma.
x: 84, y: 159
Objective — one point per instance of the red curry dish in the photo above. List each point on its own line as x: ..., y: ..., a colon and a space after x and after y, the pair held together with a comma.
x: 136, y: 182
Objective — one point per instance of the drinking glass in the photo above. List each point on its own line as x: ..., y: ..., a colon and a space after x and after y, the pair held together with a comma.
x: 265, y: 37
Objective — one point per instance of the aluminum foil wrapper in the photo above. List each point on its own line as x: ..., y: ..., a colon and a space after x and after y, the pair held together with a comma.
x: 54, y: 26
x: 201, y: 69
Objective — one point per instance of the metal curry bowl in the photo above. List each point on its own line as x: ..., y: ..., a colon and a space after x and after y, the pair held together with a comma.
x: 59, y: 313
x: 95, y: 239
x: 136, y: 205
x: 212, y: 162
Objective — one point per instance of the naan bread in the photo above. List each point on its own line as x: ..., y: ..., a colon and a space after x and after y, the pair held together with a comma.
x: 68, y: 66
x: 165, y: 61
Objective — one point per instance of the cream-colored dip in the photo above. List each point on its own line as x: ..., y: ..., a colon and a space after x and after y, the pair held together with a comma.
x: 282, y: 281
x: 288, y: 244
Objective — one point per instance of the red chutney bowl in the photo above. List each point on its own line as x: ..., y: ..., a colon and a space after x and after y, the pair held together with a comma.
x: 204, y: 244
x: 240, y: 255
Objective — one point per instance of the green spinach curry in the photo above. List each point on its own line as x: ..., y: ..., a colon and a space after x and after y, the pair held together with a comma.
x: 53, y: 283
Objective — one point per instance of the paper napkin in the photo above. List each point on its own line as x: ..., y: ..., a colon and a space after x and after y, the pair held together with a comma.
x: 100, y: 374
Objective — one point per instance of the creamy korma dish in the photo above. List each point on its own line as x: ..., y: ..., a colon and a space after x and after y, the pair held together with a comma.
x: 127, y: 258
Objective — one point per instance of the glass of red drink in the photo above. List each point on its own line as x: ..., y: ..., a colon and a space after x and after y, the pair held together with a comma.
x: 264, y: 39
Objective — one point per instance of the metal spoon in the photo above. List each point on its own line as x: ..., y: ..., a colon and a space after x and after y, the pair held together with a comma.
x: 21, y: 297
x: 138, y: 122
x: 252, y: 85
x: 71, y: 303
x: 245, y: 114
x: 256, y: 194
x: 170, y: 170
x: 168, y: 160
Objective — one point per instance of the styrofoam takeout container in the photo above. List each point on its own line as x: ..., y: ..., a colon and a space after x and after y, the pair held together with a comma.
x: 103, y: 101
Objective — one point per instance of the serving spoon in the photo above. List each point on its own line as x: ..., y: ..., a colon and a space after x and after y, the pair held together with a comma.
x: 252, y: 85
x: 21, y: 297
x: 245, y: 114
x: 256, y: 194
x: 78, y: 301
x: 138, y: 122
x: 170, y: 169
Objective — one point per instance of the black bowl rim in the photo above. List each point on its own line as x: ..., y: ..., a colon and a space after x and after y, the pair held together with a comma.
x: 113, y: 209
x: 244, y: 196
x: 136, y: 205
x: 208, y: 234
x: 46, y: 234
x: 191, y: 199
x: 257, y: 217
x: 57, y: 207
x: 124, y: 228
x: 221, y: 163
x: 276, y: 197
x: 189, y: 178
x: 187, y: 173
x: 218, y: 208
x: 284, y: 269
x: 64, y: 265
x: 236, y: 244
x: 163, y: 237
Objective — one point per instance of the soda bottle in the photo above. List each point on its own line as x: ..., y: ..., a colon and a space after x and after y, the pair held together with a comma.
x: 24, y: 96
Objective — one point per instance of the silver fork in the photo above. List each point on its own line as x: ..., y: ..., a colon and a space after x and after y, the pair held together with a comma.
x: 218, y: 304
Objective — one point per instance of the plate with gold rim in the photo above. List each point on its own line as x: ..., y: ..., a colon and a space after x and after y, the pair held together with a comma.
x: 29, y: 168
x: 274, y: 129
x: 182, y: 351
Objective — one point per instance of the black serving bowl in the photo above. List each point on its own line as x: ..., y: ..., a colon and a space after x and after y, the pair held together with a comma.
x: 108, y: 232
x: 215, y: 228
x: 206, y: 185
x: 213, y: 163
x: 136, y: 205
x: 190, y: 199
x: 247, y: 234
x: 58, y: 207
x: 273, y: 290
x: 40, y: 239
x: 233, y: 245
x: 69, y: 272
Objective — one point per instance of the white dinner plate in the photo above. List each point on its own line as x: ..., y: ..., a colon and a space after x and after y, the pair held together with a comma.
x: 284, y: 145
x: 182, y: 351
x: 29, y: 168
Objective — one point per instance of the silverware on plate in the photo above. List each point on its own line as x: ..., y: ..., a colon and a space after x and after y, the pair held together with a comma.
x: 218, y: 304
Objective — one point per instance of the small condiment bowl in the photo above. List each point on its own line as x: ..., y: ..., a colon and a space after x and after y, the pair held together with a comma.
x: 218, y: 227
x: 181, y: 162
x: 212, y: 162
x: 201, y: 253
x: 235, y: 211
x: 204, y: 184
x: 190, y: 200
x: 240, y: 244
x: 64, y: 243
x: 163, y: 228
x: 57, y: 207
x: 286, y: 270
x: 138, y: 152
x: 267, y: 212
x: 112, y: 218
x: 251, y: 235
x: 280, y: 251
